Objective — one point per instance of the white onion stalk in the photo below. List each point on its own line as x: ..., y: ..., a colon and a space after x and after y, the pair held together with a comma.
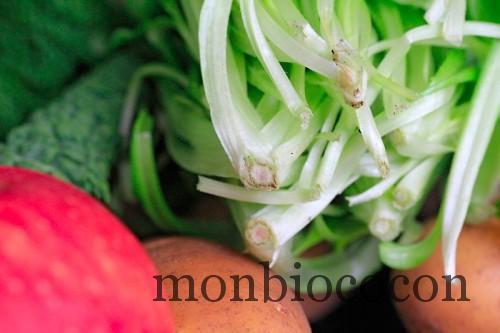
x: 436, y: 11
x: 344, y: 70
x: 476, y: 135
x: 452, y: 15
x: 386, y: 221
x: 314, y: 157
x: 235, y: 192
x: 381, y: 187
x: 412, y: 186
x: 289, y: 95
x: 247, y: 151
x: 428, y: 34
x: 266, y: 230
x: 372, y: 139
x: 453, y: 23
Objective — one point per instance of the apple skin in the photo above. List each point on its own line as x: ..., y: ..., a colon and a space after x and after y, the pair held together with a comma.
x: 69, y: 265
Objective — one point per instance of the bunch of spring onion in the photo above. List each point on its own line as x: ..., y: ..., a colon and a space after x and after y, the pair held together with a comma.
x: 323, y: 120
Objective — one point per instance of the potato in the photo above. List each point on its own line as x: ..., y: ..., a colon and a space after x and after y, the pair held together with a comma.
x: 478, y: 260
x: 200, y: 259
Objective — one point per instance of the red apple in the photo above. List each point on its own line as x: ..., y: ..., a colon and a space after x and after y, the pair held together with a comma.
x: 68, y: 265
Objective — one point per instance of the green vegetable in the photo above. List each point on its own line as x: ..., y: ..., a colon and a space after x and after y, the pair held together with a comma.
x: 148, y: 190
x: 76, y: 137
x: 487, y: 182
x: 317, y: 111
x: 484, y: 10
x: 476, y: 134
x: 42, y: 44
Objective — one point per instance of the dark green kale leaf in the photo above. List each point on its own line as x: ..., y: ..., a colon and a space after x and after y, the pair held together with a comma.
x: 42, y: 43
x: 76, y: 137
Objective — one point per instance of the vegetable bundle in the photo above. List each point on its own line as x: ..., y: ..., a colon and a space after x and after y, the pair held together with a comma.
x: 332, y: 121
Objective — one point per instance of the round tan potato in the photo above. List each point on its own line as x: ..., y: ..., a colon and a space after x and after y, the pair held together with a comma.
x: 200, y: 259
x: 478, y: 261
